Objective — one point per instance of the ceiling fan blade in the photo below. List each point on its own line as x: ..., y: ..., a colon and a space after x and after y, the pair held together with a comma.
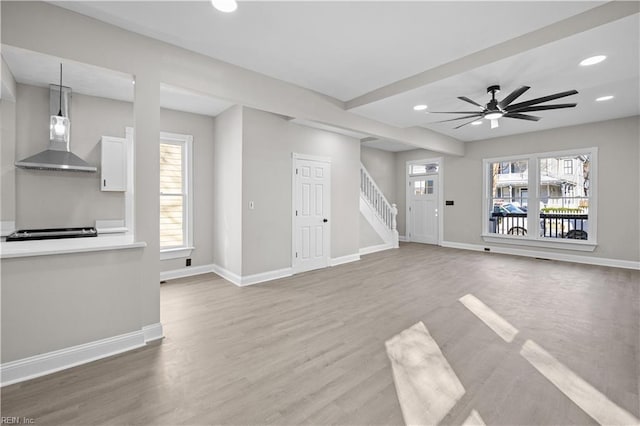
x: 495, y: 123
x: 461, y: 118
x: 462, y: 125
x: 543, y: 107
x: 513, y: 96
x: 521, y: 116
x: 455, y: 112
x: 541, y: 100
x: 464, y: 98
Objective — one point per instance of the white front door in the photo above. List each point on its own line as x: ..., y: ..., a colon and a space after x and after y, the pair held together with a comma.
x: 423, y: 209
x: 311, y: 230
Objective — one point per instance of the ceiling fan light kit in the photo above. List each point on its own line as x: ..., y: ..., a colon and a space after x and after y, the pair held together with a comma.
x: 495, y: 110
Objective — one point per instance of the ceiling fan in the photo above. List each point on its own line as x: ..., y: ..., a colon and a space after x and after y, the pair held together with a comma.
x: 505, y: 108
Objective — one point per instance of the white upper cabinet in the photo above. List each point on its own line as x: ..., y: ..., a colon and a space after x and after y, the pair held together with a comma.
x: 114, y: 164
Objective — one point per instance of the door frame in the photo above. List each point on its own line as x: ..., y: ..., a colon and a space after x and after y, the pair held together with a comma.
x: 294, y: 157
x: 440, y: 202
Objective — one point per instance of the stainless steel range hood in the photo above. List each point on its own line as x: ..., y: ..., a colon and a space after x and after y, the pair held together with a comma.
x: 57, y: 155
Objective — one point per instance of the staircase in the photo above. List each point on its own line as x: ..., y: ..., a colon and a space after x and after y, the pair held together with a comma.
x: 380, y: 214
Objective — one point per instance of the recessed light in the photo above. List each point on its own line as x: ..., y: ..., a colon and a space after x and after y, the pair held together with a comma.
x: 593, y: 60
x: 476, y: 123
x: 225, y: 5
x: 419, y: 107
x: 604, y: 98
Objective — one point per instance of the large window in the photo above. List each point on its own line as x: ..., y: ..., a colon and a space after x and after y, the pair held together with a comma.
x: 561, y: 211
x: 175, y: 196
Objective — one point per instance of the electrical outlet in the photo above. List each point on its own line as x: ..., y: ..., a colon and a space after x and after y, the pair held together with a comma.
x: 188, y: 262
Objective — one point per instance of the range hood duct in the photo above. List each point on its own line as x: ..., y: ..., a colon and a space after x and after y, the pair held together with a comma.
x: 57, y: 155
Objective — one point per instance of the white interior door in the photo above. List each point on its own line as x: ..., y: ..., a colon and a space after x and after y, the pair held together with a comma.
x: 423, y: 209
x: 311, y: 230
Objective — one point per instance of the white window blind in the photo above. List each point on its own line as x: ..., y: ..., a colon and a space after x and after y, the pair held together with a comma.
x: 172, y: 195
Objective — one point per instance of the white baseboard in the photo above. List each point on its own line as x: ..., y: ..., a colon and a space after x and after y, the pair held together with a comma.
x: 376, y: 248
x: 186, y: 272
x: 246, y: 280
x: 50, y: 362
x: 153, y: 332
x: 227, y: 275
x: 265, y: 276
x: 344, y: 259
x: 563, y: 257
x: 402, y: 238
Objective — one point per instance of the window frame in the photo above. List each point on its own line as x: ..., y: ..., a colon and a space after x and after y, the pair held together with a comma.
x: 186, y: 141
x: 533, y: 238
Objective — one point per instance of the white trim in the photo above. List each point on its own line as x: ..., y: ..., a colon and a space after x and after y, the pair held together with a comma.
x: 335, y: 261
x: 186, y: 141
x: 50, y: 362
x: 175, y: 253
x: 559, y: 243
x: 246, y: 280
x: 7, y: 227
x: 408, y: 176
x: 185, y: 272
x: 294, y: 158
x: 376, y: 248
x: 227, y: 275
x: 129, y: 198
x: 153, y: 332
x: 533, y: 166
x: 372, y: 217
x: 266, y: 276
x: 321, y: 159
x: 563, y: 257
x: 402, y: 238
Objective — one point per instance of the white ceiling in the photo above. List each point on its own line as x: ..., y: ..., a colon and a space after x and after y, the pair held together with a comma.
x: 549, y: 69
x: 340, y: 48
x: 38, y: 69
x: 348, y: 49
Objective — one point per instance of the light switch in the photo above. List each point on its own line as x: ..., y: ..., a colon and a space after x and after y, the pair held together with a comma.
x: 251, y: 205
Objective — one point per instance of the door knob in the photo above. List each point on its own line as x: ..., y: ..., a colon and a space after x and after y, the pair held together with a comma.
x: 325, y: 220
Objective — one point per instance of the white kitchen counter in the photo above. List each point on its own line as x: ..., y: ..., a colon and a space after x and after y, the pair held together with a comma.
x: 67, y: 245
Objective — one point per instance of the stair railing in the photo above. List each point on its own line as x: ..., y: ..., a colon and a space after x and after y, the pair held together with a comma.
x: 386, y: 212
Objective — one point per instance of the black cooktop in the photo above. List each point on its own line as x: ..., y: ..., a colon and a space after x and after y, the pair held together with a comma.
x: 52, y: 233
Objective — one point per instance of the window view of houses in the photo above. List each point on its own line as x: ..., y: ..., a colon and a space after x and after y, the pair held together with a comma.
x: 562, y: 199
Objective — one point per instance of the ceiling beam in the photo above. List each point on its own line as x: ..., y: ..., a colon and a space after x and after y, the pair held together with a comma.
x: 584, y: 21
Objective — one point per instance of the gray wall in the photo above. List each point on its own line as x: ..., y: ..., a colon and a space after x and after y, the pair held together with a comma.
x: 227, y: 190
x: 7, y: 158
x: 268, y: 142
x: 48, y: 199
x: 54, y: 302
x: 201, y: 128
x: 382, y: 167
x: 618, y: 177
x: 368, y: 236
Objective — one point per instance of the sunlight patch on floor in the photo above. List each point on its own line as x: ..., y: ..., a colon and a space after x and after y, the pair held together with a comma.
x: 474, y: 419
x: 494, y: 321
x: 426, y: 385
x: 585, y: 396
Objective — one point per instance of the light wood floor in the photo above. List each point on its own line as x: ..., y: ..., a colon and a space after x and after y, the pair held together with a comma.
x: 310, y: 349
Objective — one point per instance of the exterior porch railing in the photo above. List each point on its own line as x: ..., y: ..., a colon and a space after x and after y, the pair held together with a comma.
x: 552, y: 225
